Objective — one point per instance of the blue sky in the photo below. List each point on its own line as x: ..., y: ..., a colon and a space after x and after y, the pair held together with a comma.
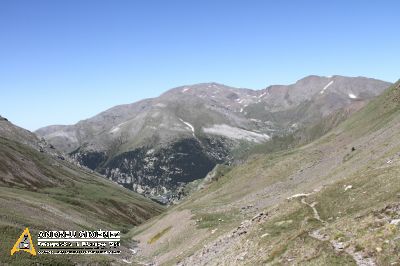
x: 66, y: 60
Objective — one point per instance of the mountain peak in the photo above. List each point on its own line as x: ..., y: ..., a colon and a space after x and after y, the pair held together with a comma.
x: 203, y: 123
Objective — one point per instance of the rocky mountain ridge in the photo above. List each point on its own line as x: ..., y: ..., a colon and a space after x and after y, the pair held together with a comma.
x: 155, y: 146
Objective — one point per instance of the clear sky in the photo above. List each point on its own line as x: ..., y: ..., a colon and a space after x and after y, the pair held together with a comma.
x: 66, y: 60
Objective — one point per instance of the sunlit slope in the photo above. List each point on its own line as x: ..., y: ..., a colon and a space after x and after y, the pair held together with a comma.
x: 43, y: 193
x: 345, y: 209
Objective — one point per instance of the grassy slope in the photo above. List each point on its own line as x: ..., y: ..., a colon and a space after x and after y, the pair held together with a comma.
x: 42, y: 193
x: 359, y: 218
x: 305, y: 134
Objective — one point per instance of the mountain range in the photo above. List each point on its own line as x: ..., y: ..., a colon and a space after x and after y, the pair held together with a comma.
x: 157, y: 146
x: 332, y: 201
x: 314, y: 183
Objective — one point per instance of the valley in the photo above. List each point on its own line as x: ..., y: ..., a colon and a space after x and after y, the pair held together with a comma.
x: 324, y: 193
x: 199, y: 133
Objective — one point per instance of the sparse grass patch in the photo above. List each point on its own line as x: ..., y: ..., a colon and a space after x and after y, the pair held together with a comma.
x: 284, y: 224
x: 213, y: 220
x: 358, y: 247
x: 339, y: 236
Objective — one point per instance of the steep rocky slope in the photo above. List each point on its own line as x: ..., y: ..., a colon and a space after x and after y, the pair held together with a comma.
x: 334, y: 201
x: 155, y: 146
x: 39, y: 189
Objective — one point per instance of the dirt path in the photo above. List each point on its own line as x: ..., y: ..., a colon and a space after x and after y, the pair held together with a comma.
x: 312, y: 206
x: 360, y: 258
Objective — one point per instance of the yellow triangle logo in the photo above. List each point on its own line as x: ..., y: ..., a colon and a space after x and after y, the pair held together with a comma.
x: 24, y: 243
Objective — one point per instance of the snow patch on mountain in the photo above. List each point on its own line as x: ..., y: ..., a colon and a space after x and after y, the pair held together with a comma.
x: 262, y: 95
x: 188, y: 125
x: 117, y: 127
x: 236, y: 133
x: 352, y: 96
x: 327, y: 86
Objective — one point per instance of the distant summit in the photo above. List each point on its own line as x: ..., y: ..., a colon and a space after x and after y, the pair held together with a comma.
x: 157, y: 145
